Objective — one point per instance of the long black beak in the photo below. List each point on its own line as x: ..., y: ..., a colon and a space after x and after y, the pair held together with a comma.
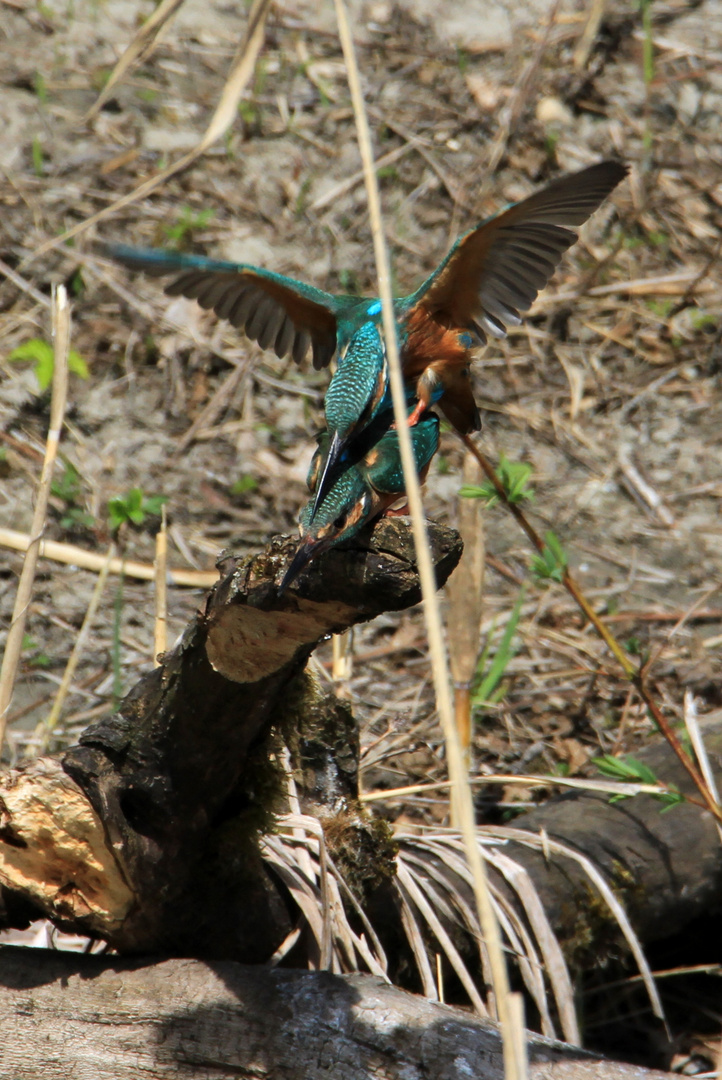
x: 330, y: 473
x: 307, y: 550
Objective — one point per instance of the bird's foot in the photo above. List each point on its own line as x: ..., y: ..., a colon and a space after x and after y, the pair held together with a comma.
x: 414, y: 417
x: 398, y: 511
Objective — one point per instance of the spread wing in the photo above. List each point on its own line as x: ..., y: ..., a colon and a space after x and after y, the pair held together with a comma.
x: 498, y: 268
x: 271, y: 309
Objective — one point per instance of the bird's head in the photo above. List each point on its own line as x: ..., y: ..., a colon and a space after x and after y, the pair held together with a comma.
x: 347, y: 507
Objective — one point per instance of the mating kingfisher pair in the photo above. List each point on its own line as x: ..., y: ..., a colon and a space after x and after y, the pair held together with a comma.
x: 491, y: 274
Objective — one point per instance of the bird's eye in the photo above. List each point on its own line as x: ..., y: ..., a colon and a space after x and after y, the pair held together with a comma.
x: 340, y: 521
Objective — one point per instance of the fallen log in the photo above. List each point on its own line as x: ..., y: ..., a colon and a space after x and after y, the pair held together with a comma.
x: 96, y: 1018
x: 146, y: 833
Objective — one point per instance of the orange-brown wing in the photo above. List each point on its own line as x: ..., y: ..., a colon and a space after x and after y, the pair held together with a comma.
x: 498, y: 268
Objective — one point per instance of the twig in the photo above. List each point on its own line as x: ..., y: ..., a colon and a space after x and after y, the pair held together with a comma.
x: 356, y: 178
x: 14, y: 644
x: 589, y: 33
x: 161, y: 590
x: 141, y: 45
x: 635, y: 675
x: 88, y: 560
x: 461, y: 790
x: 520, y: 97
x: 45, y: 729
x: 642, y: 489
x: 226, y: 110
x: 23, y: 285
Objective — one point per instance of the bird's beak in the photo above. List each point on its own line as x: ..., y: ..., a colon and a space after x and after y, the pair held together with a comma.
x: 329, y: 476
x: 307, y: 549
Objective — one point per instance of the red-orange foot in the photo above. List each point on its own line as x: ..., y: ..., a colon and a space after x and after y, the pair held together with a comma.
x: 415, y: 416
x: 400, y: 511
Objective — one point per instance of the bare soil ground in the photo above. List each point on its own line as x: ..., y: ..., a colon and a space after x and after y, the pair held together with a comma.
x: 610, y: 389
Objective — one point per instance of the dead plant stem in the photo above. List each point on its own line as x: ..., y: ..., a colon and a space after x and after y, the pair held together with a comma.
x: 59, y: 394
x: 513, y: 1067
x: 635, y: 675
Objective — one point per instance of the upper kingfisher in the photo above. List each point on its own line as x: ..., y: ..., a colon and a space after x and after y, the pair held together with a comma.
x: 491, y: 274
x: 365, y: 490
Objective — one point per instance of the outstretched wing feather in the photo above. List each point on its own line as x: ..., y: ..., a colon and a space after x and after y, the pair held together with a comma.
x: 498, y: 269
x: 270, y: 308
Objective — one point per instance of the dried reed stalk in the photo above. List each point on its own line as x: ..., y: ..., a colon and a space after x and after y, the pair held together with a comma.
x: 465, y: 592
x: 160, y: 635
x: 514, y: 1068
x: 45, y: 729
x: 14, y: 644
x: 72, y: 555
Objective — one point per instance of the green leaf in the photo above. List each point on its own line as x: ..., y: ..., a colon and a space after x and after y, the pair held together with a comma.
x: 38, y: 157
x: 134, y: 507
x: 551, y: 564
x: 77, y: 365
x: 628, y: 769
x: 514, y: 478
x: 41, y: 354
x: 243, y: 484
x: 153, y: 504
x: 633, y: 771
x: 489, y: 684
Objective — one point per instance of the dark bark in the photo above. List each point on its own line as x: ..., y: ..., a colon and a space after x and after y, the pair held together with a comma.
x: 171, y: 793
x: 664, y: 865
x: 66, y: 1015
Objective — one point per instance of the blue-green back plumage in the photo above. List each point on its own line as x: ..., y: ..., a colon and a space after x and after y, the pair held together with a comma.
x: 358, y: 386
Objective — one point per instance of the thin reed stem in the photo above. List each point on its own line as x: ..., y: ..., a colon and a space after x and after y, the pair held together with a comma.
x: 59, y: 395
x: 514, y: 1068
x: 636, y: 675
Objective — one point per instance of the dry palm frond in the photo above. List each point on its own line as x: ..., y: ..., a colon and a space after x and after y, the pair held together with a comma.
x: 434, y: 892
x: 297, y: 853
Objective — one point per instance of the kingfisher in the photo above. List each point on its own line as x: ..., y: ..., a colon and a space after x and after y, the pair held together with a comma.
x: 490, y: 275
x: 364, y: 491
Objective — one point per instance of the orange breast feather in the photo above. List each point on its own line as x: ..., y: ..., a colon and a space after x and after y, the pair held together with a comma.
x: 429, y: 341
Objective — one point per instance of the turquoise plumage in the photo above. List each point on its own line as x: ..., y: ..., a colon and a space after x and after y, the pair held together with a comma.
x: 363, y: 492
x: 491, y: 274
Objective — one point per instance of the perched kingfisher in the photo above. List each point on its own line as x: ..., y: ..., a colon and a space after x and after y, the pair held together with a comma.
x: 364, y: 491
x: 491, y: 274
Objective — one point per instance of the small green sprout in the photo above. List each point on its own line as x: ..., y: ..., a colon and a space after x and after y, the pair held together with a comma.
x: 514, y: 477
x: 38, y: 157
x: 41, y: 88
x: 69, y: 488
x: 551, y: 564
x: 41, y: 353
x: 40, y: 659
x: 134, y: 508
x: 243, y: 485
x: 188, y: 220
